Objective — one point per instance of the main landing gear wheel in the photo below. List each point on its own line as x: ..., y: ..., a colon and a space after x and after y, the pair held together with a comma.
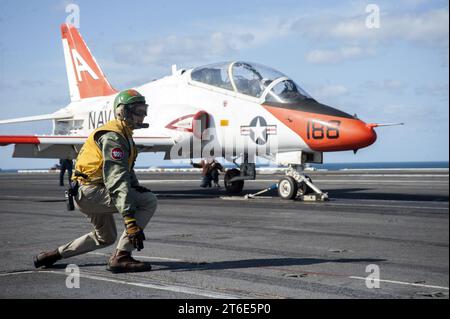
x: 233, y: 188
x: 287, y: 188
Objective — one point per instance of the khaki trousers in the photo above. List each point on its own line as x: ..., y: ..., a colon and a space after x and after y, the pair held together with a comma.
x: 95, y: 202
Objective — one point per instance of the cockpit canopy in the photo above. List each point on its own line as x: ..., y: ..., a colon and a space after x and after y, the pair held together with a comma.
x: 251, y: 79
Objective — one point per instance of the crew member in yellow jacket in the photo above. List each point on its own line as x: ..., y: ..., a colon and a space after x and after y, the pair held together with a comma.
x: 107, y: 185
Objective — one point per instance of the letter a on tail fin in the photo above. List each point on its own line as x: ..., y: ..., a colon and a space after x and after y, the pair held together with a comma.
x: 86, y: 79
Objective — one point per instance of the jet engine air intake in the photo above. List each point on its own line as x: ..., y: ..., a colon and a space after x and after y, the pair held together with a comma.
x: 200, y: 123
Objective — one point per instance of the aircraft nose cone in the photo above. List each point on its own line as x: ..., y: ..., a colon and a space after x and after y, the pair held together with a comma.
x: 367, y: 135
x: 359, y: 135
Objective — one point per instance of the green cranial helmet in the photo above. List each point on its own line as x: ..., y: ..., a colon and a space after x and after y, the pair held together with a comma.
x: 124, y: 104
x: 128, y: 97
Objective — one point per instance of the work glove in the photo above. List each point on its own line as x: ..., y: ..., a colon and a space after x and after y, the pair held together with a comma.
x: 141, y: 189
x: 135, y: 233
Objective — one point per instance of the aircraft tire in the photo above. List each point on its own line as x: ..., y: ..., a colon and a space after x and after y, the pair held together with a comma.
x: 287, y: 188
x: 233, y: 188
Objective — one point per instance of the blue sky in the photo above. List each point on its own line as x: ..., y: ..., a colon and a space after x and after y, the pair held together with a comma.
x: 397, y: 73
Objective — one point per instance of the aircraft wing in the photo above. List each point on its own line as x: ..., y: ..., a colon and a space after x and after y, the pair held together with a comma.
x: 40, y: 139
x: 53, y: 116
x: 68, y: 146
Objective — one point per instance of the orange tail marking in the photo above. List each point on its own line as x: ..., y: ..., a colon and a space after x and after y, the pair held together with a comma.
x: 86, y: 79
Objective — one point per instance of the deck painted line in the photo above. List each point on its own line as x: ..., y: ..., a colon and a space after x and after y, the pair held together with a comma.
x: 399, y: 282
x: 327, y: 274
x: 207, y: 293
x: 362, y: 278
x: 158, y: 286
x: 328, y: 203
x: 18, y: 273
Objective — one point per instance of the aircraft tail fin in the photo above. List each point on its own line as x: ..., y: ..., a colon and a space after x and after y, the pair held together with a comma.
x: 86, y: 79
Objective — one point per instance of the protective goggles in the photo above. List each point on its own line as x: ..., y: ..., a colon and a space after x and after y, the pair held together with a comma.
x: 133, y: 109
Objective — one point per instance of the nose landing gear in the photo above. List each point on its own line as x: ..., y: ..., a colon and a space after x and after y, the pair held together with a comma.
x: 297, y: 185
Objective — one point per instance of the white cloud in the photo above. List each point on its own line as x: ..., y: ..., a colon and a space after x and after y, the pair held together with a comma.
x: 225, y: 39
x: 433, y: 89
x: 217, y: 41
x: 336, y: 56
x: 324, y: 92
x: 429, y: 29
x: 388, y: 85
x: 416, y: 113
x: 183, y: 49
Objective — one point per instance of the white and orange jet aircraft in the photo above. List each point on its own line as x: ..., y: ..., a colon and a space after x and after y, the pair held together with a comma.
x: 243, y: 107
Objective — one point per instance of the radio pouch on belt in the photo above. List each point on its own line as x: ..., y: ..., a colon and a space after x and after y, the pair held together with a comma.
x: 70, y: 194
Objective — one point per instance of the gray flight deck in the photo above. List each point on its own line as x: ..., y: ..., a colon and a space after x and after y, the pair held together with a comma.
x: 203, y: 244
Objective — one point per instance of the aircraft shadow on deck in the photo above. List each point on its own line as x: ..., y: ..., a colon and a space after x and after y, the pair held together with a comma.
x: 340, y: 193
x: 235, y: 264
x: 365, y: 193
x: 256, y: 263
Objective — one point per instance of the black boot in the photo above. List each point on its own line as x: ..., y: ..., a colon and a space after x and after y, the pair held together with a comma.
x: 47, y: 259
x: 121, y: 261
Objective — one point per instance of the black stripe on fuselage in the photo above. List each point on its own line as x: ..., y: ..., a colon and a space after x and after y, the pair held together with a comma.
x: 311, y: 106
